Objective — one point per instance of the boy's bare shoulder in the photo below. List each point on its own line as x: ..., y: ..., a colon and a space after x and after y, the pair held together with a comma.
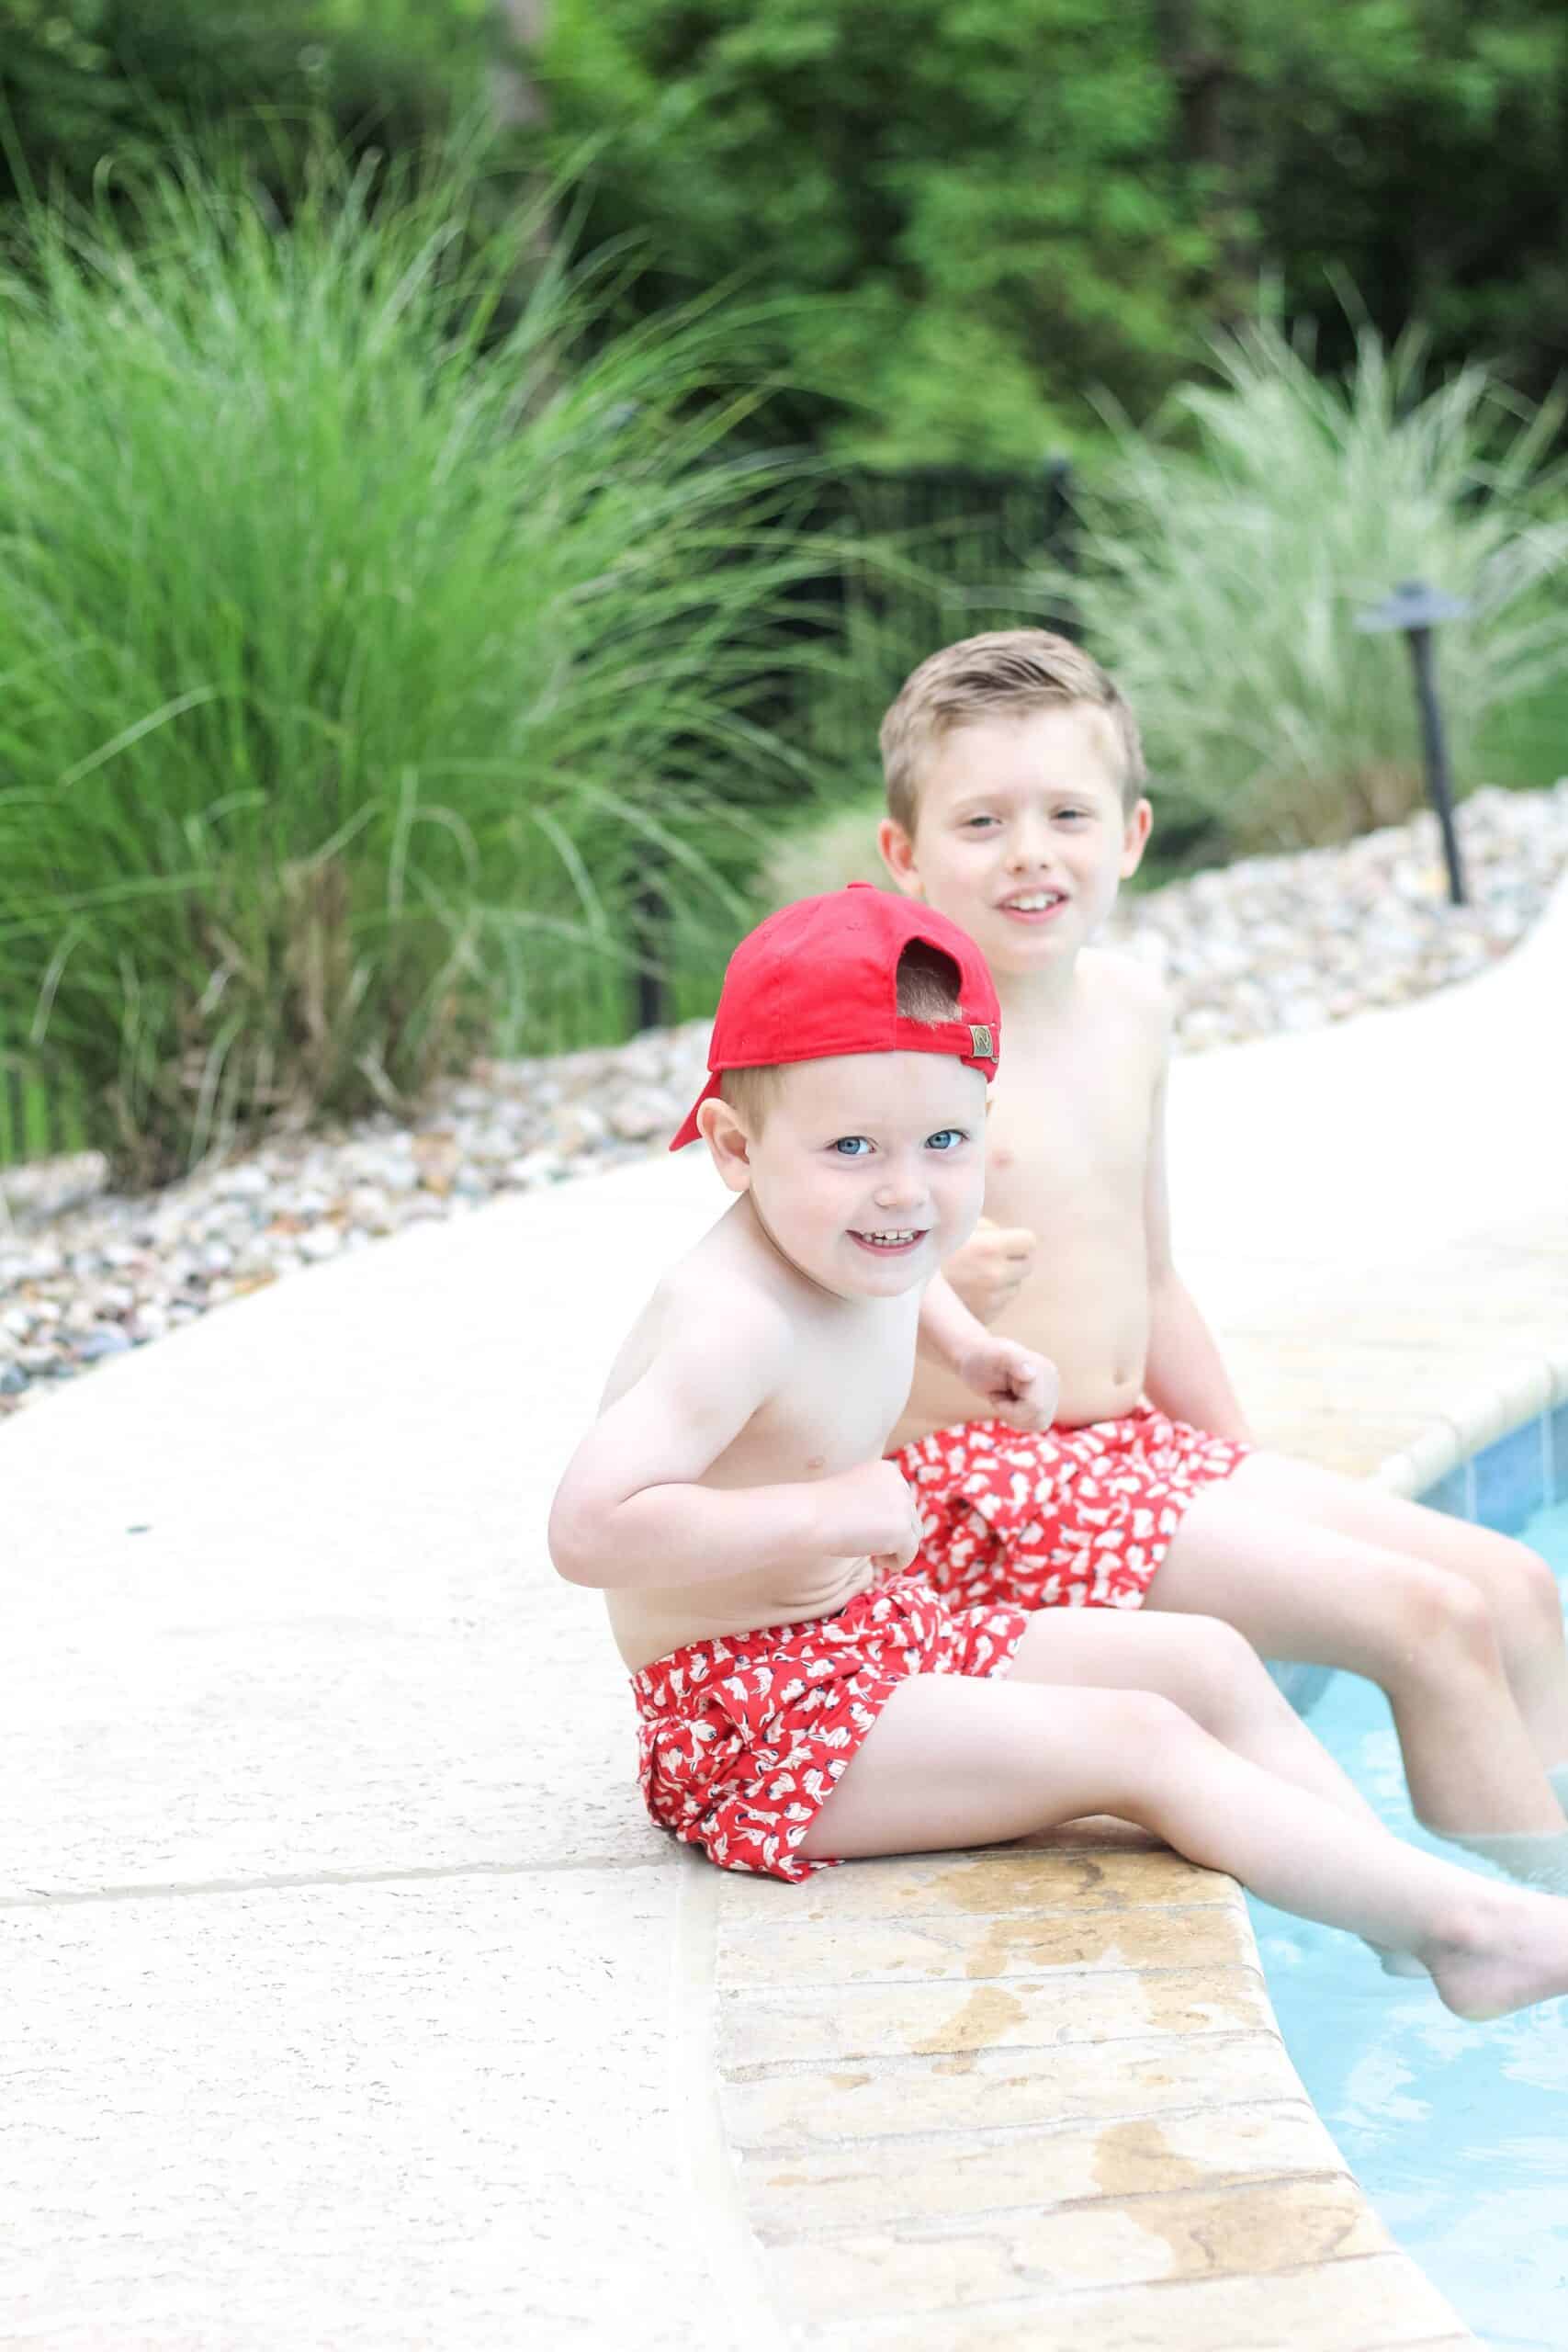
x: 726, y: 1297
x: 707, y: 1317
x: 1124, y: 987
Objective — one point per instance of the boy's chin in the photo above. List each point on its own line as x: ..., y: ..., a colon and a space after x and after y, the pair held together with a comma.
x: 1017, y: 953
x: 865, y: 1275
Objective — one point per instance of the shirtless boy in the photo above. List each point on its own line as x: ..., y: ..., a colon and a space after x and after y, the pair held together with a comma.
x: 803, y: 1697
x: 1015, y: 792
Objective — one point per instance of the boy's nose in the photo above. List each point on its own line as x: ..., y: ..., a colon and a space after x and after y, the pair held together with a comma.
x: 902, y: 1186
x: 1029, y: 848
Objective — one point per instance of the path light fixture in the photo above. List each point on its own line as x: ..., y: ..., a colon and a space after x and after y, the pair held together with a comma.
x: 1416, y: 609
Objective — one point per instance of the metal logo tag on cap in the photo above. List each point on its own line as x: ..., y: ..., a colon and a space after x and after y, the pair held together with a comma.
x: 980, y: 1042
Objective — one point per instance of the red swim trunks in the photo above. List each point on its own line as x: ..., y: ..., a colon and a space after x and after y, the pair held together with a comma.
x: 1059, y: 1518
x: 742, y: 1739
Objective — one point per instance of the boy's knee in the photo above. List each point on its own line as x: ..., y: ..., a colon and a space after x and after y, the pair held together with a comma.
x: 1220, y: 1669
x: 1440, y: 1619
x: 1155, y: 1730
x: 1220, y: 1649
x: 1151, y: 1755
x: 1527, y: 1588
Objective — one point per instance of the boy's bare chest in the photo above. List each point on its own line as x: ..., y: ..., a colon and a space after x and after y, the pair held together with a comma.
x: 1066, y: 1140
x: 837, y: 1409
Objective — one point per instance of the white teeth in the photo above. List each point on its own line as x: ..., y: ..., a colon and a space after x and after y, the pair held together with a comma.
x: 1035, y: 902
x: 890, y: 1240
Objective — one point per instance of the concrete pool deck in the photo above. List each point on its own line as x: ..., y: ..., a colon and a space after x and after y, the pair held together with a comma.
x: 356, y: 2003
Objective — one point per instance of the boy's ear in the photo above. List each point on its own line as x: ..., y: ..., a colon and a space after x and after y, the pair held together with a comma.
x: 729, y: 1146
x: 898, y: 856
x: 1135, y: 839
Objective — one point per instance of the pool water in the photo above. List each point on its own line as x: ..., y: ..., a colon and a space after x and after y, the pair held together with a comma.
x: 1458, y: 2134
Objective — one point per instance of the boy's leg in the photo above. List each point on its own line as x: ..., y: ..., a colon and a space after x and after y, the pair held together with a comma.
x: 955, y: 1761
x: 1208, y: 1669
x: 1214, y: 1674
x: 1301, y: 1591
x: 1516, y: 1583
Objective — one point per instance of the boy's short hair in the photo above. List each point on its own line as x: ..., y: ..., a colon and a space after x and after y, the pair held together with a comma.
x: 928, y: 991
x: 1009, y: 672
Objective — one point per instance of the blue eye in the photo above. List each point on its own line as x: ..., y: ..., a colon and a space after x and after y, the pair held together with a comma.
x: 946, y: 1139
x: 971, y: 822
x: 852, y: 1146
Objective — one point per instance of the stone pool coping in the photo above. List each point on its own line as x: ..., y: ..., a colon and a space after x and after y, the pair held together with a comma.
x: 363, y: 2005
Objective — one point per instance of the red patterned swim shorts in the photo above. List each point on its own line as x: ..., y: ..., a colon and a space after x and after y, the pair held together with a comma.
x: 742, y: 1739
x: 1060, y: 1518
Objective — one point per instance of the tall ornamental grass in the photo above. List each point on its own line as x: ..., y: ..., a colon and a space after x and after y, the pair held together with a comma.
x: 380, y: 638
x: 1229, y: 553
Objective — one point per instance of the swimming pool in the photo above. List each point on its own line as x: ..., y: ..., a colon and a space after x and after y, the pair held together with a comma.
x: 1458, y: 2134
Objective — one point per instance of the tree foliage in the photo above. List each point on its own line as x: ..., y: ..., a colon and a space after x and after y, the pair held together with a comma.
x: 975, y: 197
x: 988, y: 209
x: 84, y: 80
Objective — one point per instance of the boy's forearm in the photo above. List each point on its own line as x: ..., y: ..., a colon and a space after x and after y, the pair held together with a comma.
x: 948, y: 1332
x: 689, y: 1534
x: 1185, y: 1375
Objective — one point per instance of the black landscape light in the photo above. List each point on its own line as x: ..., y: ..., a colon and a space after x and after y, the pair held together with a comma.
x: 1416, y: 609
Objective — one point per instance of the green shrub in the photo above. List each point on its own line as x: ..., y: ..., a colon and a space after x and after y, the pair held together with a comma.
x: 1230, y: 552
x: 366, y: 660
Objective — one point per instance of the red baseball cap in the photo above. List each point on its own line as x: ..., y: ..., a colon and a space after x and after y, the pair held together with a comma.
x: 821, y: 978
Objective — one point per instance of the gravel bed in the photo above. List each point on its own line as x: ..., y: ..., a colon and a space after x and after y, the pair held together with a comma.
x: 1248, y: 950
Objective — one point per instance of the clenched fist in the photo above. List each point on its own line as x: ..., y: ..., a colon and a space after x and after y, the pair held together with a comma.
x: 1021, y: 1387
x: 873, y: 1510
x: 991, y: 1267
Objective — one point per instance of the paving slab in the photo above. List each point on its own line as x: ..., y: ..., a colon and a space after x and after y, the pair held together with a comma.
x: 960, y: 2175
x: 290, y: 2115
x: 1323, y: 2307
x: 857, y: 2021
x: 1113, y: 2242
x: 884, y: 2097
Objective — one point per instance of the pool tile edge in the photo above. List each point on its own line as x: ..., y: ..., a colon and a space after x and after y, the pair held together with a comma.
x: 1499, y: 1458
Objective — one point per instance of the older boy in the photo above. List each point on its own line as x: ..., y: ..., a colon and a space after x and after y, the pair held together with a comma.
x: 803, y: 1698
x: 1015, y: 792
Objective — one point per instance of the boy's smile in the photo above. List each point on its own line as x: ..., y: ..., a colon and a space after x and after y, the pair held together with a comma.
x: 1021, y: 834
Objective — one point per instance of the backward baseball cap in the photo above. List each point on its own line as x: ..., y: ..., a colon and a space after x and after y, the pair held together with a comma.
x: 820, y: 977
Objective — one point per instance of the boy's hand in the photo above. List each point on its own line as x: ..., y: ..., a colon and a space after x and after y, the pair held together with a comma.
x: 873, y: 1510
x: 1021, y: 1387
x: 991, y: 1267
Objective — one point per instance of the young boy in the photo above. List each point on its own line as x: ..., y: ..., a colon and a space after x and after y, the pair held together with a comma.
x: 1015, y: 792
x: 803, y: 1697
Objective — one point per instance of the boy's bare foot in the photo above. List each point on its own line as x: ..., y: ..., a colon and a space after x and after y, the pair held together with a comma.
x: 1502, y: 1955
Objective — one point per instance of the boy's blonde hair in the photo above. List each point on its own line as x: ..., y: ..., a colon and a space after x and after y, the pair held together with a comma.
x: 1009, y: 672
x: 928, y: 991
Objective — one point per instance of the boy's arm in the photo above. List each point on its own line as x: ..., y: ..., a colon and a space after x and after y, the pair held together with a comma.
x: 629, y: 1512
x: 1185, y: 1374
x: 1018, y: 1386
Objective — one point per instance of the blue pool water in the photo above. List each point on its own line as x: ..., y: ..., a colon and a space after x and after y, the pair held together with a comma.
x: 1458, y: 2134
